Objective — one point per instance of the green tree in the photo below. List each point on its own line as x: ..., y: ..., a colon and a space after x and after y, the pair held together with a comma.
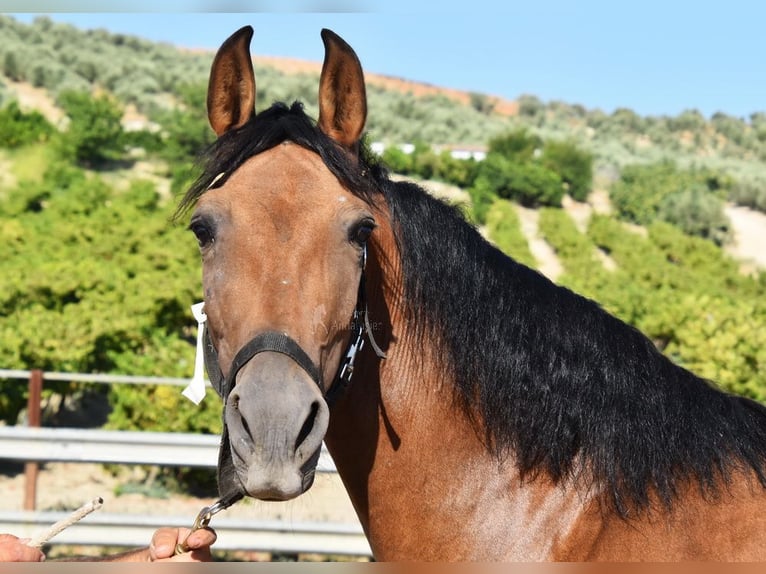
x: 94, y: 135
x: 397, y: 160
x: 519, y: 145
x: 529, y: 183
x: 11, y: 67
x: 482, y: 103
x: 459, y: 172
x: 530, y: 106
x: 573, y: 165
x: 697, y: 212
x: 688, y: 120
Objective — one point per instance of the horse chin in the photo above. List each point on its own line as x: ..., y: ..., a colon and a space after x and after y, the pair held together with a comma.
x: 272, y: 488
x: 271, y: 484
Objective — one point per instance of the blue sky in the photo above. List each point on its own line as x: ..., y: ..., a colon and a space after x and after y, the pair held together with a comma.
x: 656, y: 57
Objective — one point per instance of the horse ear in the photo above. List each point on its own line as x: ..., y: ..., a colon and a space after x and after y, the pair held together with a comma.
x: 342, y: 95
x: 231, y: 89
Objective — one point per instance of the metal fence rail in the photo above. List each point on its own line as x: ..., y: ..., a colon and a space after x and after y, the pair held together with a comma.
x: 118, y: 447
x: 97, y: 378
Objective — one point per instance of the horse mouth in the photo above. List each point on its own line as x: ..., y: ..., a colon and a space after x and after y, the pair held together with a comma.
x: 275, y: 482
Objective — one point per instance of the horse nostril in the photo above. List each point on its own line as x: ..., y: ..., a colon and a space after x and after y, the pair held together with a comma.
x: 234, y: 404
x: 308, y: 424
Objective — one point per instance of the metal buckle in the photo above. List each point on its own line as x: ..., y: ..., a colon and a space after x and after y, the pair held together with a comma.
x: 202, y: 521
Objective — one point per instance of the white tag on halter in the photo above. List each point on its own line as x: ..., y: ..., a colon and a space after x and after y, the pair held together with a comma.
x: 195, y: 390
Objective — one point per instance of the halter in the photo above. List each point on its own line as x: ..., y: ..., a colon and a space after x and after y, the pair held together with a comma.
x: 272, y: 341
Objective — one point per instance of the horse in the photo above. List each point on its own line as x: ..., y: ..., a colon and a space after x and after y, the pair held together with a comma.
x: 474, y: 409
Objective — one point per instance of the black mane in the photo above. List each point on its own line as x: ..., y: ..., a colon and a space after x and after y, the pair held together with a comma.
x: 268, y: 129
x: 555, y: 380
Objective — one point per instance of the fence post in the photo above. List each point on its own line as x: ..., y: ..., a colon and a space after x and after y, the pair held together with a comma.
x: 33, y: 420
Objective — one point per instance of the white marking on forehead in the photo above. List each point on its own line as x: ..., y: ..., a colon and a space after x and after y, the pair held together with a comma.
x: 342, y: 198
x: 285, y: 282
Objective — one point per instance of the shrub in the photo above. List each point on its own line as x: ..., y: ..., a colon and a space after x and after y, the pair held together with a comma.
x: 504, y: 228
x: 459, y: 172
x: 529, y: 183
x: 482, y: 198
x: 749, y: 193
x: 94, y: 135
x: 574, y: 166
x: 397, y: 160
x: 519, y: 145
x: 18, y: 128
x: 425, y: 161
x: 95, y: 280
x: 641, y: 189
x: 696, y: 212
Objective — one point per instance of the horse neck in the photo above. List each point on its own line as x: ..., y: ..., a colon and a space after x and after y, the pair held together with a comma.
x: 416, y: 468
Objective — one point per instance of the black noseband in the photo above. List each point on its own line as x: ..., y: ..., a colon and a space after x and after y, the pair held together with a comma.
x: 269, y: 342
x: 274, y: 342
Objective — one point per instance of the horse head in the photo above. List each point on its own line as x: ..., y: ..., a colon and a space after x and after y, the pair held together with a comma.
x: 283, y: 248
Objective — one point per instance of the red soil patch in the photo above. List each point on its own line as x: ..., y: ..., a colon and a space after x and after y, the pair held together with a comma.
x: 418, y: 89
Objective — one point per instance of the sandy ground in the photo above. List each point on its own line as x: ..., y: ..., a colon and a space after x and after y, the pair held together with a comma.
x: 547, y: 261
x: 65, y: 486
x: 749, y: 243
x: 31, y: 98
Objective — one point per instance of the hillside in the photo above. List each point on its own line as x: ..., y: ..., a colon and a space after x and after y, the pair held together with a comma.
x: 56, y: 57
x: 293, y: 66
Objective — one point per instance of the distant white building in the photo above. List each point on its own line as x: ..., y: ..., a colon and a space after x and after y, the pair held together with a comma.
x: 377, y: 148
x: 465, y: 152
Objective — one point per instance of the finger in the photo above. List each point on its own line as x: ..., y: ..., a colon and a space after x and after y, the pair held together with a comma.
x: 13, y: 550
x: 30, y: 554
x: 164, y: 542
x: 201, y: 538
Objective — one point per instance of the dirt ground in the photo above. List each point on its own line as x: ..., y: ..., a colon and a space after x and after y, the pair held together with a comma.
x: 66, y: 486
x: 749, y: 245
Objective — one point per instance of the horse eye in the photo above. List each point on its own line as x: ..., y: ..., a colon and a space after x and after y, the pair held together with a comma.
x: 362, y: 231
x: 202, y: 232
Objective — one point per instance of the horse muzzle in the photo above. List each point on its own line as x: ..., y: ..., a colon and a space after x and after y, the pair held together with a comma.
x: 276, y: 418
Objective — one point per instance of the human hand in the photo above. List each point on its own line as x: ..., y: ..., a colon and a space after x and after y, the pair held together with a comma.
x: 14, y: 549
x: 164, y: 541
